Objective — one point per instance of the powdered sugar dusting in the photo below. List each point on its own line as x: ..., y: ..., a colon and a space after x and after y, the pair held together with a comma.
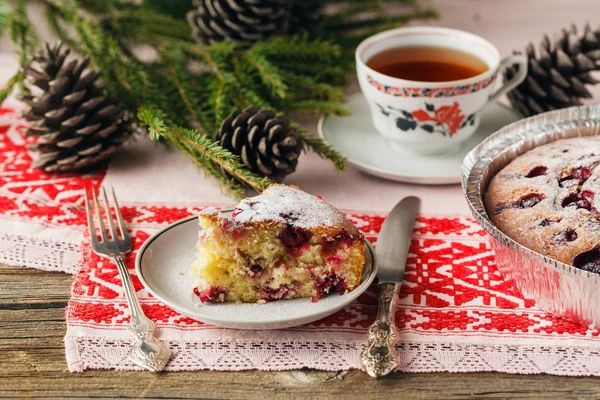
x: 209, y: 211
x: 289, y: 205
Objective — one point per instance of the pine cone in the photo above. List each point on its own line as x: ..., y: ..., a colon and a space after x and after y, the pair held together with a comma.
x: 306, y: 16
x: 76, y: 124
x: 251, y: 20
x: 557, y: 78
x: 265, y: 142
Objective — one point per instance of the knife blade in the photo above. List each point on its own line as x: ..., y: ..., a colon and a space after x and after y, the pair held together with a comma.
x: 394, y: 240
x: 380, y: 356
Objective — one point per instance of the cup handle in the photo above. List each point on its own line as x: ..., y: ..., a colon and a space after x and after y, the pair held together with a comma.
x: 516, y: 79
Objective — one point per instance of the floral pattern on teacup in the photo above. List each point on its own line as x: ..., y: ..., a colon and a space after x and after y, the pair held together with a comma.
x: 449, y: 91
x: 445, y: 120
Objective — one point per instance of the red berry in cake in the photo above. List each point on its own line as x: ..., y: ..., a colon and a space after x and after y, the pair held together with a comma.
x: 343, y: 240
x: 269, y: 293
x: 236, y: 211
x: 292, y: 236
x: 335, y: 260
x: 588, y: 195
x: 545, y: 222
x: 224, y: 224
x: 254, y: 270
x: 580, y: 174
x: 324, y: 284
x: 282, y: 292
x: 214, y: 294
x: 527, y: 201
x: 565, y: 236
x: 342, y: 286
x: 537, y: 171
x: 294, y: 239
x: 290, y: 218
x: 579, y: 200
x: 588, y: 260
x: 237, y: 234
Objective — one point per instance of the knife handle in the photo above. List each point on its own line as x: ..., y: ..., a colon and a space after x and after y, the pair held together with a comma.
x: 380, y: 356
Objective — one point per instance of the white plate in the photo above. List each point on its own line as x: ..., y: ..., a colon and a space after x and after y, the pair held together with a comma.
x: 162, y: 266
x: 356, y: 138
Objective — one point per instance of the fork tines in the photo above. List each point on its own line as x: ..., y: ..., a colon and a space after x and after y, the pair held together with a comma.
x: 95, y: 213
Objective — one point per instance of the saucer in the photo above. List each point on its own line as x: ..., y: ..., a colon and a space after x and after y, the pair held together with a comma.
x: 162, y: 265
x: 357, y: 139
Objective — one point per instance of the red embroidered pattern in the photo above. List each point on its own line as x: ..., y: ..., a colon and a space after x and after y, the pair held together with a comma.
x: 32, y: 194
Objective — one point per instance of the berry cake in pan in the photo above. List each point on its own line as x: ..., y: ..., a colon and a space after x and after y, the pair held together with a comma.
x: 282, y: 244
x: 548, y: 200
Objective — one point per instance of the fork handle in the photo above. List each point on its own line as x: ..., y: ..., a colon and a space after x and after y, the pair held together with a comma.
x: 130, y: 295
x: 147, y: 351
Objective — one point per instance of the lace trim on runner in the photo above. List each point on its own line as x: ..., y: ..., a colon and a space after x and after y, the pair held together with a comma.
x: 44, y: 254
x: 87, y: 352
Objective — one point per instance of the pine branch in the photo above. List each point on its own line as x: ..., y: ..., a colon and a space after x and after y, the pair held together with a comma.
x: 321, y: 148
x: 200, y: 148
x: 250, y: 97
x: 4, y: 16
x: 147, y: 23
x: 229, y: 185
x: 55, y: 20
x: 184, y: 84
x: 334, y: 75
x: 297, y: 47
x: 302, y: 84
x: 268, y: 73
x: 8, y: 88
x: 185, y: 97
x: 246, y: 84
x: 219, y: 105
x: 175, y: 9
x: 97, y: 6
x: 23, y: 34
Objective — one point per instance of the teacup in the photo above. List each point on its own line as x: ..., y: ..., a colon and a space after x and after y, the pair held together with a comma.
x: 431, y: 117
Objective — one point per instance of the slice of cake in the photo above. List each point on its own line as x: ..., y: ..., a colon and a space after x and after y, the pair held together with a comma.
x: 282, y: 244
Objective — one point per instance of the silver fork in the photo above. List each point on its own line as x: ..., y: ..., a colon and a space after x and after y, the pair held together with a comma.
x: 147, y: 351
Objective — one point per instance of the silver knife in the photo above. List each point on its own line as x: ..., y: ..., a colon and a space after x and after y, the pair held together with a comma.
x: 380, y: 356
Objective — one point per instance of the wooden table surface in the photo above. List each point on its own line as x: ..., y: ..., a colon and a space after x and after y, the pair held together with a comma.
x: 32, y: 364
x: 32, y: 303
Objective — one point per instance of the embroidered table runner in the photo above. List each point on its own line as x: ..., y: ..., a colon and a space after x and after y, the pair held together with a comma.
x: 456, y: 313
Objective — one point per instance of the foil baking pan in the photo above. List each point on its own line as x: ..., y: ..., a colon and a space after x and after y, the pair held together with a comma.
x: 557, y: 288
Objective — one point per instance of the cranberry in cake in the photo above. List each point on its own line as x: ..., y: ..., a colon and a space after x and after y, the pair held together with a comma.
x: 548, y: 200
x: 282, y: 244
